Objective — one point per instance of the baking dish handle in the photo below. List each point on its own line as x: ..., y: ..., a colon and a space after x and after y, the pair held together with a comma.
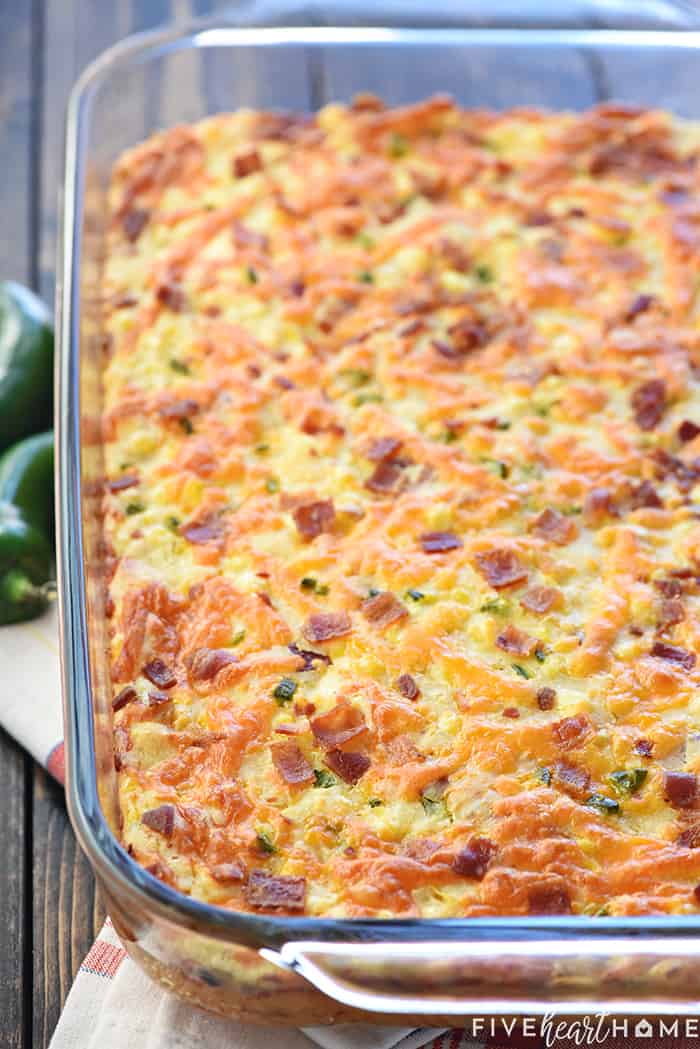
x: 573, y: 975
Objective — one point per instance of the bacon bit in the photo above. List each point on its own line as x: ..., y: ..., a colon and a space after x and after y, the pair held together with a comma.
x: 366, y: 102
x: 304, y: 709
x: 670, y: 588
x: 674, y: 654
x: 309, y: 656
x: 511, y: 712
x: 598, y: 505
x: 672, y: 612
x: 181, y: 409
x: 161, y: 820
x: 315, y: 422
x: 687, y: 431
x: 555, y: 527
x: 690, y: 839
x: 572, y: 779
x: 540, y: 599
x: 648, y: 403
x: 467, y: 336
x: 639, y: 157
x: 349, y: 765
x: 501, y: 568
x: 685, y: 474
x: 674, y: 195
x: 312, y: 519
x: 247, y: 163
x: 201, y: 532
x: 127, y: 695
x: 171, y: 295
x: 383, y: 609
x: 134, y: 223
x: 538, y: 218
x: 205, y: 663
x: 389, y: 210
x: 338, y: 725
x: 384, y: 448
x: 680, y: 789
x: 331, y: 313
x: 472, y: 861
x: 640, y: 304
x: 291, y: 763
x: 570, y: 733
x: 548, y: 899
x: 323, y: 626
x: 412, y: 328
x: 432, y: 186
x: 644, y: 747
x: 272, y: 891
x: 516, y: 641
x: 283, y: 382
x: 410, y: 306
x: 546, y: 698
x: 446, y: 349
x: 230, y: 871
x: 265, y: 598
x: 439, y: 542
x: 284, y: 127
x: 385, y: 477
x: 120, y: 484
x: 645, y: 496
x: 159, y: 674
x: 109, y: 607
x: 455, y: 255
x: 407, y: 687
x: 155, y: 699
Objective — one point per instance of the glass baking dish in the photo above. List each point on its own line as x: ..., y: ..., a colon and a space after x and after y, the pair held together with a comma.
x: 302, y: 970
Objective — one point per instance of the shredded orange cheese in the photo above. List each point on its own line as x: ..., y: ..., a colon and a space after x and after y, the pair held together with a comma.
x: 402, y: 424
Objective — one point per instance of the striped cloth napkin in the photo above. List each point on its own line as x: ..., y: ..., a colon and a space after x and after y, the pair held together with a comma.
x: 113, y: 1005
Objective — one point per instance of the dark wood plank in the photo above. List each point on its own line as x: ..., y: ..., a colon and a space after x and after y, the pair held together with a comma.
x: 67, y: 913
x: 13, y: 894
x: 16, y: 123
x: 75, y: 32
x: 16, y: 119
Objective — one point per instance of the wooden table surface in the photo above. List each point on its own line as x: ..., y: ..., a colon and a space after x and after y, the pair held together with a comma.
x: 49, y: 911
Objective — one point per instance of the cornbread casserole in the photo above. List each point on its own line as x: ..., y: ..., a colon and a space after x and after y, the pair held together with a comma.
x: 402, y: 425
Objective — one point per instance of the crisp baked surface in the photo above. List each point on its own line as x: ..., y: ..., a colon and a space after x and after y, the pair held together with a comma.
x: 401, y: 423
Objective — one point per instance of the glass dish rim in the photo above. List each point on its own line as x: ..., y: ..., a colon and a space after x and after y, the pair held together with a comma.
x: 107, y: 856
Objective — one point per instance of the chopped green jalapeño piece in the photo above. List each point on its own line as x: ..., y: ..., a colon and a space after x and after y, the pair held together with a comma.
x: 603, y: 803
x: 322, y: 778
x: 285, y: 690
x: 627, y: 781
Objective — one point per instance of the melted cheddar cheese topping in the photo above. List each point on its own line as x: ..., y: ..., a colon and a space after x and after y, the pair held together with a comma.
x: 402, y: 419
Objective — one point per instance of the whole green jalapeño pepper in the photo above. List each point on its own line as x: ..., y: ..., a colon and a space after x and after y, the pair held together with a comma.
x: 26, y: 528
x: 26, y: 364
